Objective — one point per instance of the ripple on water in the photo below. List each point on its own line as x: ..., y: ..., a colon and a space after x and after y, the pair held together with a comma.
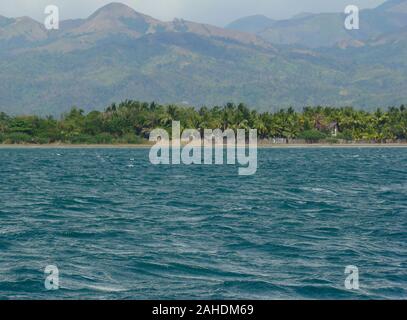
x: 118, y: 227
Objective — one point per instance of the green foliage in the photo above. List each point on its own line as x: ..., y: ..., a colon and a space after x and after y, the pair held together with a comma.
x: 312, y: 136
x: 41, y: 140
x: 131, y: 122
x: 17, y: 137
x: 332, y: 140
x: 103, y: 138
x: 345, y: 135
x: 130, y: 138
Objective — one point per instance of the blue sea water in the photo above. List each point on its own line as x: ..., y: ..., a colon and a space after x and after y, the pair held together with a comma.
x: 118, y: 227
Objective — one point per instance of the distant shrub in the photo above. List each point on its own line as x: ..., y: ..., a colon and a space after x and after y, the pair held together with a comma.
x: 332, y: 140
x: 312, y: 136
x: 345, y: 135
x: 130, y: 138
x: 17, y: 137
x: 50, y: 136
x: 82, y: 138
x: 103, y: 138
x: 41, y: 140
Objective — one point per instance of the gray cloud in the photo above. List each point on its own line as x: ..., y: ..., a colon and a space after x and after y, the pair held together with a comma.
x: 218, y: 12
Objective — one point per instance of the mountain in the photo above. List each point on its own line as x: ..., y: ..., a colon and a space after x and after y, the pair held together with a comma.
x: 118, y: 53
x: 252, y: 24
x: 395, y: 6
x: 21, y: 31
x: 327, y: 29
x: 313, y: 31
x: 5, y: 21
x: 302, y: 15
x: 116, y: 18
x: 119, y: 20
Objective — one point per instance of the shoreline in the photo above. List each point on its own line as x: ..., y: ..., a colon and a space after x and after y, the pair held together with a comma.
x: 146, y: 146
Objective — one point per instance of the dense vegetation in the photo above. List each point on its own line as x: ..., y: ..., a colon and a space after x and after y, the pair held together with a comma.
x: 132, y: 121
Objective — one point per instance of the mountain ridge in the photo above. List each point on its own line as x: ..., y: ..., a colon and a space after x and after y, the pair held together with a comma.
x: 121, y: 54
x: 120, y: 19
x: 251, y: 24
x: 327, y: 29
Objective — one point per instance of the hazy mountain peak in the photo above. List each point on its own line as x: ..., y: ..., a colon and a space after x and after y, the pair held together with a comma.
x: 400, y: 7
x: 180, y: 25
x: 118, y: 11
x: 24, y: 28
x: 115, y: 18
x: 326, y: 29
x: 114, y: 10
x: 4, y: 21
x: 26, y: 20
x: 393, y: 6
x: 302, y: 15
x: 251, y: 24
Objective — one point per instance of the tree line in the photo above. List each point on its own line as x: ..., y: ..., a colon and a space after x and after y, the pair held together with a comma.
x: 130, y: 122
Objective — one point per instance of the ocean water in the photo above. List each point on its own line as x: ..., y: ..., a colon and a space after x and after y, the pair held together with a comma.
x: 118, y: 227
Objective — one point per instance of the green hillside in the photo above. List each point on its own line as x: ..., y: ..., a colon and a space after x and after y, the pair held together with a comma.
x: 126, y: 55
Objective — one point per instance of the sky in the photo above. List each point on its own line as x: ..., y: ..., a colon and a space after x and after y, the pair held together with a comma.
x: 216, y: 12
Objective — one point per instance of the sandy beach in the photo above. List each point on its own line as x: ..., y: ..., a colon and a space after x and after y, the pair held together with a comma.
x: 146, y: 146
